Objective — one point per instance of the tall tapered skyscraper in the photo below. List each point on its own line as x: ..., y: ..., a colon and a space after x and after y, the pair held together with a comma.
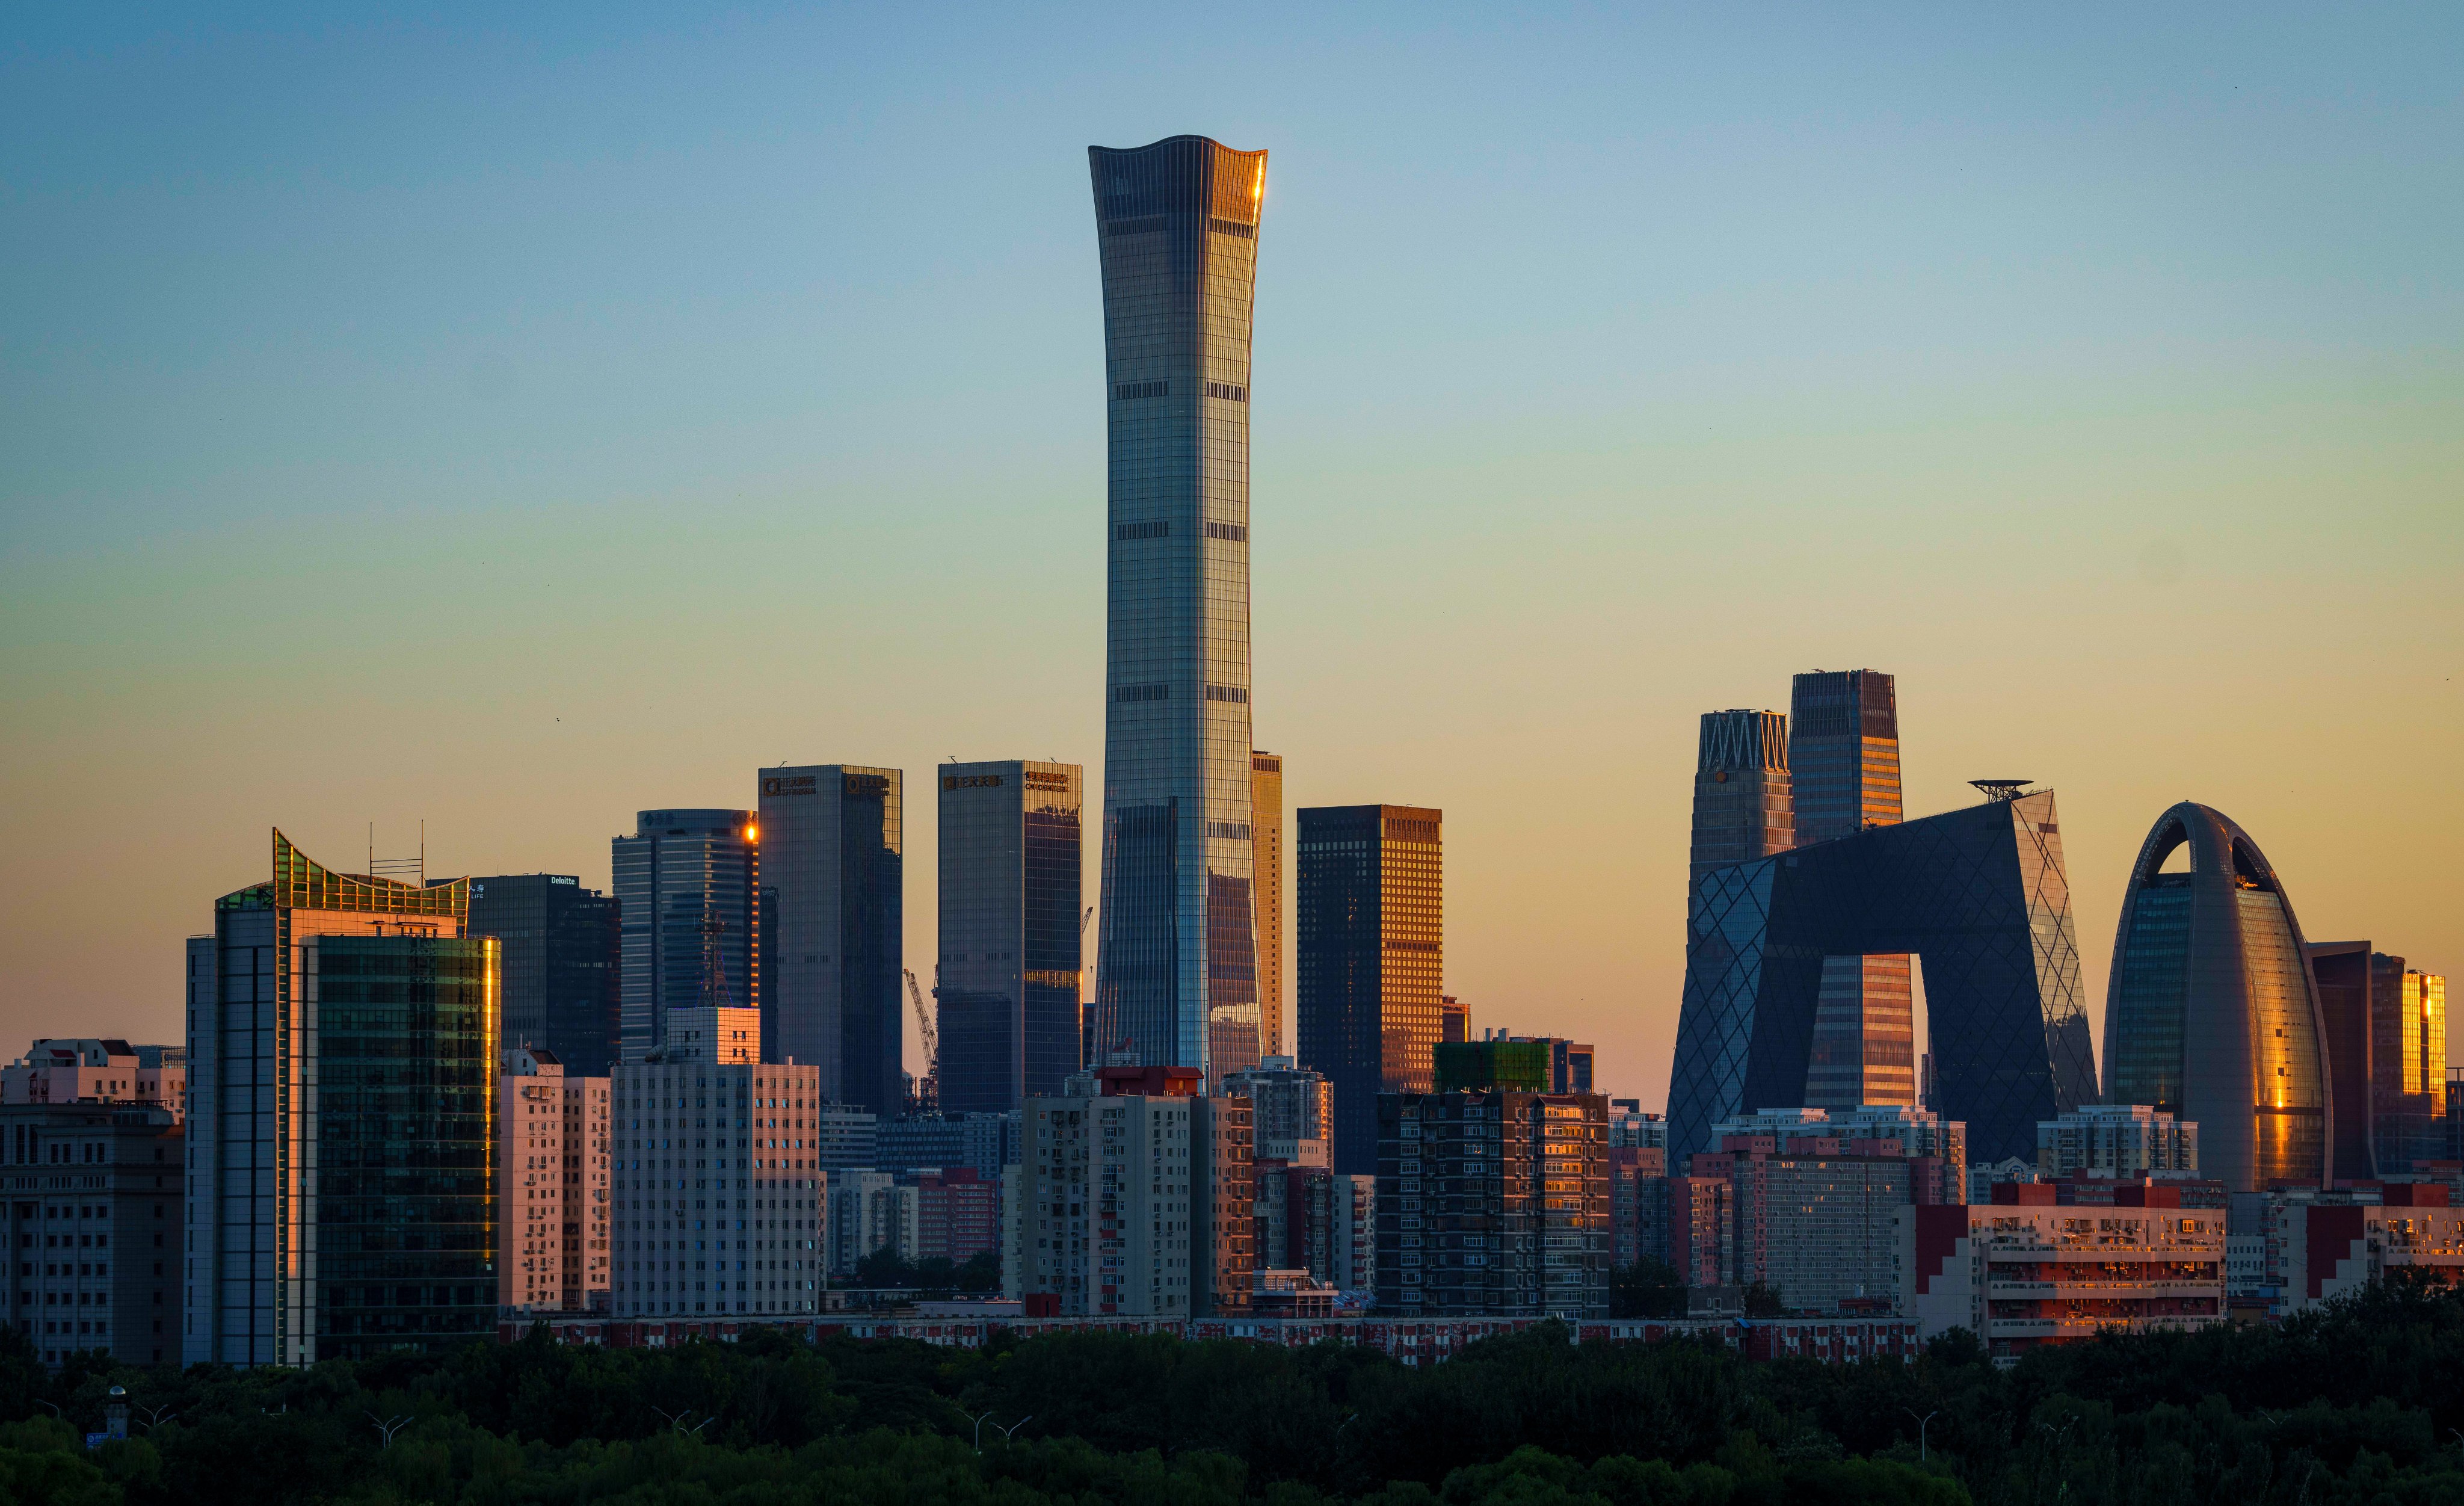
x: 1843, y: 754
x: 1742, y: 806
x: 1176, y: 226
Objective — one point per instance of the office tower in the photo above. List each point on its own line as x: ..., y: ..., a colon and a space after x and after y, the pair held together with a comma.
x: 341, y: 1198
x: 840, y: 1136
x: 1135, y: 1199
x: 1292, y: 1110
x: 2385, y: 1027
x: 1177, y: 978
x: 563, y: 956
x: 1008, y: 997
x: 553, y: 1174
x: 1267, y: 829
x: 703, y: 1033
x: 1493, y: 1203
x: 685, y: 884
x: 2123, y: 1141
x: 718, y: 1188
x: 1843, y: 757
x: 985, y: 1143
x: 89, y: 1071
x: 1979, y: 890
x: 834, y: 885
x: 93, y: 1152
x: 1454, y: 1019
x: 1741, y: 801
x: 1369, y: 920
x: 2209, y: 1013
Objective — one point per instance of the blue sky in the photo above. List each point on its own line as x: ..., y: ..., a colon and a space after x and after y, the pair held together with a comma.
x: 511, y: 422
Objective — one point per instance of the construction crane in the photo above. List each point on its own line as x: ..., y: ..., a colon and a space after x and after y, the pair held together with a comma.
x: 928, y: 1087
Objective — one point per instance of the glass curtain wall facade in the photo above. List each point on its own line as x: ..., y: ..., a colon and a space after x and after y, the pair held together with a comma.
x: 1176, y: 226
x: 562, y: 953
x: 1266, y: 828
x: 1844, y: 762
x: 833, y: 884
x: 343, y: 1046
x: 2210, y: 1013
x: 1006, y: 999
x: 1980, y: 892
x: 2385, y: 1027
x: 685, y: 885
x: 1369, y: 920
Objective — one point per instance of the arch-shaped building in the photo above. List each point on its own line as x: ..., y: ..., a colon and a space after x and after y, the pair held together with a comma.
x: 2211, y: 1012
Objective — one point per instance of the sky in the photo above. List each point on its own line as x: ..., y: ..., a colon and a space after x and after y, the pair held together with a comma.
x: 506, y: 422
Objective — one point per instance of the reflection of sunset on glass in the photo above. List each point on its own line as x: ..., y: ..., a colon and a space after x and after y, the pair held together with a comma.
x: 720, y: 404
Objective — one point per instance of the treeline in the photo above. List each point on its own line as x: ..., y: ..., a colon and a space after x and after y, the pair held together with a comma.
x: 2358, y: 1403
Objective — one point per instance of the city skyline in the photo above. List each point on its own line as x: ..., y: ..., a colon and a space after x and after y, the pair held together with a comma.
x: 2171, y: 456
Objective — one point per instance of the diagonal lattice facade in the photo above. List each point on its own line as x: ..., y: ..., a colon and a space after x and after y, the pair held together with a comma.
x: 1979, y: 894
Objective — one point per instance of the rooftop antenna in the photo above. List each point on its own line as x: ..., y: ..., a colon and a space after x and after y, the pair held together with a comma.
x: 2002, y: 788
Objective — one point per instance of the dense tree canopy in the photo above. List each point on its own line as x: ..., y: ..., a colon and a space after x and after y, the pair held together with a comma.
x: 2361, y: 1404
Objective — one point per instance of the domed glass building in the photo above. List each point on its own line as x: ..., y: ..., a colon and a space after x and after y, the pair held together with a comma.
x: 2211, y: 1012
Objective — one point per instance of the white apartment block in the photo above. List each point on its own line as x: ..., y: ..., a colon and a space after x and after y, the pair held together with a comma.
x: 718, y: 1189
x: 2122, y: 1140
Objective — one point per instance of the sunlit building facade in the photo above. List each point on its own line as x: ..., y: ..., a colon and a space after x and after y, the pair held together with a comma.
x: 1267, y: 841
x: 2385, y: 1026
x: 343, y: 1041
x: 1177, y: 980
x: 1369, y: 923
x: 1844, y: 771
x: 2210, y: 1013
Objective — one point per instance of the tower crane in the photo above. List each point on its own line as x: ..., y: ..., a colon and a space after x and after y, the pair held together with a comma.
x: 928, y: 1087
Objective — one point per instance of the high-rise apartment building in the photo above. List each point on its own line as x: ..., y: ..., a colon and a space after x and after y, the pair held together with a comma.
x: 1266, y: 836
x: 833, y: 891
x: 1493, y: 1203
x: 2210, y: 1013
x: 1292, y: 1110
x: 1135, y: 1199
x: 563, y: 958
x: 1177, y: 224
x: 2387, y: 1049
x: 1008, y: 996
x: 686, y: 883
x: 2127, y: 1141
x: 1814, y: 1195
x: 1369, y: 923
x: 1843, y: 755
x: 1743, y: 806
x: 92, y: 1167
x: 1454, y: 1020
x: 717, y: 1188
x: 341, y: 1197
x: 552, y: 1175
